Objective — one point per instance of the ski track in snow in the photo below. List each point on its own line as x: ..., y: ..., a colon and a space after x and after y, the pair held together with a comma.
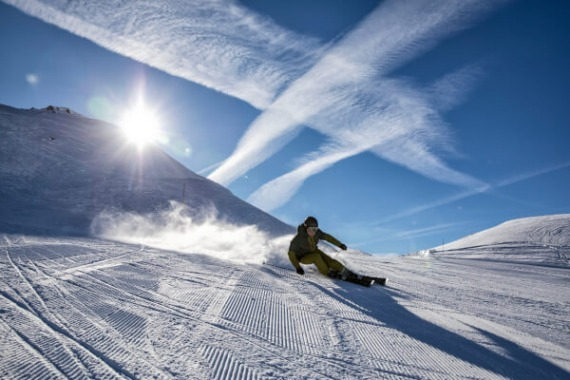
x: 88, y: 308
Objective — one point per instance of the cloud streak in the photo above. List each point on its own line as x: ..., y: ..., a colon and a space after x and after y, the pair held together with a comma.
x: 348, y: 97
x: 487, y: 188
x: 404, y: 130
x: 217, y: 43
x: 388, y: 234
x: 343, y: 91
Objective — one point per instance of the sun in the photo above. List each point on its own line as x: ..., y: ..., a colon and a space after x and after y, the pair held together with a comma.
x: 141, y: 125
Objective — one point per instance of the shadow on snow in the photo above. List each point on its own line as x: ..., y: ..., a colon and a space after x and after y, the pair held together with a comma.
x: 382, y: 305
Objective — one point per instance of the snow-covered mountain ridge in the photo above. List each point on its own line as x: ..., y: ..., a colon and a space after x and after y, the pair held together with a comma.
x: 59, y: 170
x: 551, y: 229
x: 541, y: 240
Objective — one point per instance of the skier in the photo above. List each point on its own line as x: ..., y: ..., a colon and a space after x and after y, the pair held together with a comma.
x: 303, y: 249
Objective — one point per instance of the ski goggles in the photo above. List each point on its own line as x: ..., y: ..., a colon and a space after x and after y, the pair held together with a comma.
x: 312, y: 229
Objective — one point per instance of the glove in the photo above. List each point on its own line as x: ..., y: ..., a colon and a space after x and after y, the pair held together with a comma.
x: 343, y: 247
x: 300, y: 271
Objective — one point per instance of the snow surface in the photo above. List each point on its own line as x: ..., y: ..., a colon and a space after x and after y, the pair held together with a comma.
x: 89, y: 308
x: 59, y: 170
x: 543, y: 240
x: 171, y: 288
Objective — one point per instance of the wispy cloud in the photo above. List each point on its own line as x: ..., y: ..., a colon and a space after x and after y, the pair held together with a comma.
x: 409, y: 236
x: 278, y: 192
x: 387, y: 232
x: 343, y: 91
x: 487, y: 188
x: 425, y: 231
x: 217, y: 43
x: 403, y: 130
x: 347, y: 96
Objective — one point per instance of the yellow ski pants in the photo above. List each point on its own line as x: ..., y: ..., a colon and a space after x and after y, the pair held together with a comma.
x: 320, y: 259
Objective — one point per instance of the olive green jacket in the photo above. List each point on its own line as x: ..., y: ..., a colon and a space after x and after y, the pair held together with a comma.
x: 303, y: 244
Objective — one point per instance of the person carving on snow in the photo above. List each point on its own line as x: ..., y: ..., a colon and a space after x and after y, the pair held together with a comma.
x: 303, y: 249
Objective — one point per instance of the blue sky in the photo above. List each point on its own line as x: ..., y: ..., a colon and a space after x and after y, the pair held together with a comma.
x: 399, y: 124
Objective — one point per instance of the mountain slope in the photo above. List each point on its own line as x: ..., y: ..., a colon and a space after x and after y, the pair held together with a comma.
x: 541, y: 240
x: 59, y: 170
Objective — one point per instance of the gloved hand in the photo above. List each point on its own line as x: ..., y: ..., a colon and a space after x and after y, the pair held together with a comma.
x: 343, y: 247
x: 300, y: 271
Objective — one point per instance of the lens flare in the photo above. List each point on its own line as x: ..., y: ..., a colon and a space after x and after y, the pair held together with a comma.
x: 141, y: 125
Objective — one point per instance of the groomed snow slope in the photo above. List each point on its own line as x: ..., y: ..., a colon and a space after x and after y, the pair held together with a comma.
x: 544, y: 240
x: 89, y: 308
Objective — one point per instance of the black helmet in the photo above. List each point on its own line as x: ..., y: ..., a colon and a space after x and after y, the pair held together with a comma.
x: 311, y: 221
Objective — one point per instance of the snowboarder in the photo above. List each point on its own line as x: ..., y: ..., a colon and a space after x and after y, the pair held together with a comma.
x: 303, y: 249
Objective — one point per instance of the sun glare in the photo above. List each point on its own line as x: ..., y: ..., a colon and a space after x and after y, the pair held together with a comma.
x: 141, y: 125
